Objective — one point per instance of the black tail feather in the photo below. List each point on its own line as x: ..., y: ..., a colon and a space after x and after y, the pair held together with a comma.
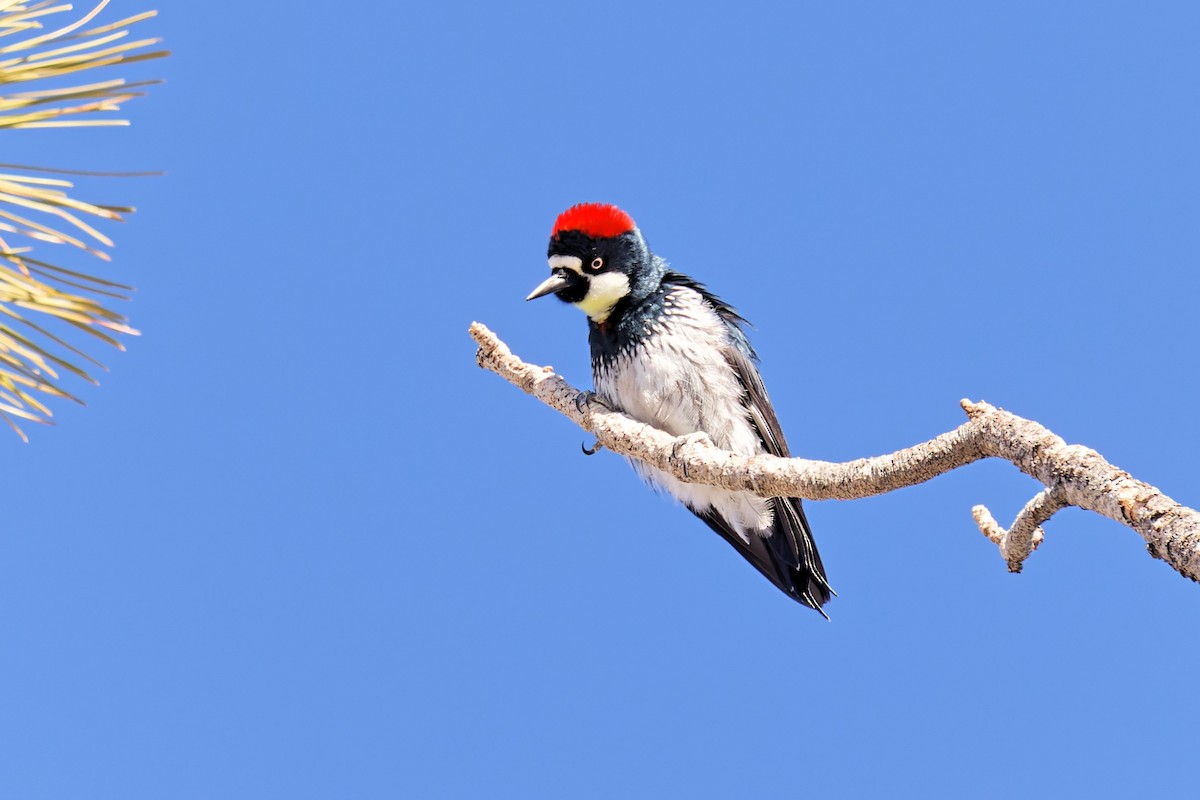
x: 788, y: 557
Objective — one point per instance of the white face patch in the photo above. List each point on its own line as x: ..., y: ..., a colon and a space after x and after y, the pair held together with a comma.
x: 573, y: 263
x: 604, y: 291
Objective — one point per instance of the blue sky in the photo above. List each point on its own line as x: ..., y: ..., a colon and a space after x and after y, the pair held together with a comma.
x: 299, y: 545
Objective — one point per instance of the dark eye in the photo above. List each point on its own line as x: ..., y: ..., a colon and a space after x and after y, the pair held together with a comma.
x: 596, y: 265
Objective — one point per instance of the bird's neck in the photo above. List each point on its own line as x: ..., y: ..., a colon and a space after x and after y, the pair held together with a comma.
x: 625, y: 327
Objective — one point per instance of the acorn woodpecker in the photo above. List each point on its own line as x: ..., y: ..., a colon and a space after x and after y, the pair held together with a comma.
x: 669, y: 353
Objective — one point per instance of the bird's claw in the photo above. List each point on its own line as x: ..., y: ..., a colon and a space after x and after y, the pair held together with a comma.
x: 581, y: 401
x: 584, y: 398
x: 699, y: 437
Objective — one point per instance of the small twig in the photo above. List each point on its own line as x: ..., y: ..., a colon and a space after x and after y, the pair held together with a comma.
x: 1023, y: 537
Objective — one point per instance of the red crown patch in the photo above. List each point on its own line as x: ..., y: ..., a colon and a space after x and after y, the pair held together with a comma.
x: 598, y: 220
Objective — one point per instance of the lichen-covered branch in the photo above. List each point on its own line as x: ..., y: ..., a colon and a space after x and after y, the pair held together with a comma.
x: 1073, y: 475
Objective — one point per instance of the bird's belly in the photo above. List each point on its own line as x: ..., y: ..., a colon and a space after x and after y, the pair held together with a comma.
x: 670, y: 385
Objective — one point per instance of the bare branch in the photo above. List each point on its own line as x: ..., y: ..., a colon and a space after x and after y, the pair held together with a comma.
x: 1072, y: 474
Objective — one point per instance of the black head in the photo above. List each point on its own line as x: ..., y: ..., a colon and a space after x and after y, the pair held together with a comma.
x: 597, y: 258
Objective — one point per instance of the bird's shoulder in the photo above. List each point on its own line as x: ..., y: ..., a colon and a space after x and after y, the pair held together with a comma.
x: 679, y: 306
x: 686, y: 288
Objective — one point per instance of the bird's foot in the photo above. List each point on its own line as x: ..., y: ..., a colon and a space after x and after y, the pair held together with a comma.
x: 699, y: 437
x: 584, y: 398
x: 581, y: 401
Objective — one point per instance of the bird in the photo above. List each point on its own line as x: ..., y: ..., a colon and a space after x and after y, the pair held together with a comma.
x: 669, y: 353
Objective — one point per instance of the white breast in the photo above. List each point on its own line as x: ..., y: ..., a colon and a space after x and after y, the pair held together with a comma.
x: 678, y: 380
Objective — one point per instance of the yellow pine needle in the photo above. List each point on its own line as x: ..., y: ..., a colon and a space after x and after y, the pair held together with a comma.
x: 28, y: 120
x: 88, y: 172
x: 104, y: 337
x: 27, y: 16
x: 53, y: 310
x: 16, y: 429
x: 81, y: 55
x: 20, y: 412
x: 8, y: 344
x: 35, y: 180
x: 32, y: 402
x: 75, y: 48
x: 11, y: 347
x: 22, y: 372
x: 100, y: 88
x: 49, y: 335
x: 25, y: 399
x: 58, y: 237
x: 91, y: 123
x: 121, y: 23
x: 57, y: 210
x: 76, y: 284
x: 34, y: 41
x: 81, y: 276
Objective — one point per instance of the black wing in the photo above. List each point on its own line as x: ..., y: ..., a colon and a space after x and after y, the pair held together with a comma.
x: 788, y: 556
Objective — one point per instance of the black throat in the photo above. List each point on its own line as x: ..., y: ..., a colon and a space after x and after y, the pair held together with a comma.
x: 627, y: 325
